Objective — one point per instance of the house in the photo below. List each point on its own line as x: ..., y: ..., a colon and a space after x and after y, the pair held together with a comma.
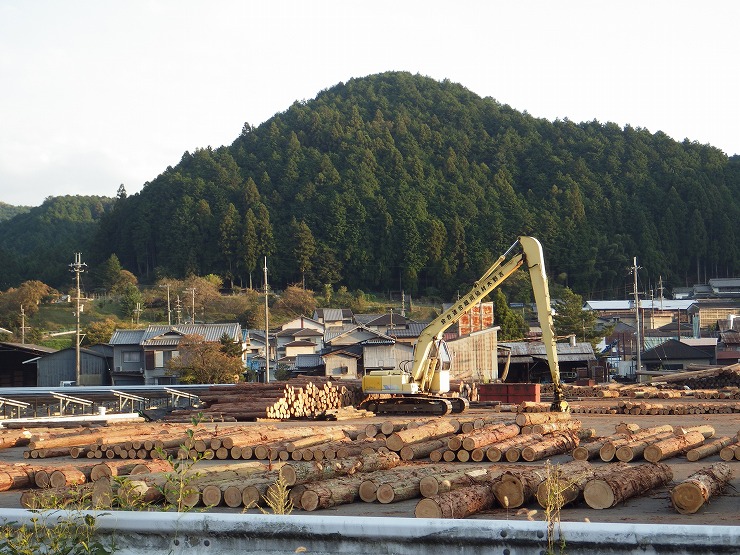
x: 349, y: 349
x: 675, y: 356
x: 654, y: 313
x: 140, y: 357
x: 60, y: 366
x: 708, y: 313
x: 19, y: 363
x: 333, y: 317
x: 528, y: 362
x: 728, y: 349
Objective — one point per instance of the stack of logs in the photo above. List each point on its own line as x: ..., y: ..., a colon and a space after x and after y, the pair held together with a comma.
x: 326, y: 466
x: 306, y: 397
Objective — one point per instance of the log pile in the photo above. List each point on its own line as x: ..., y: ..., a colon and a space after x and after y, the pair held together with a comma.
x: 313, y: 397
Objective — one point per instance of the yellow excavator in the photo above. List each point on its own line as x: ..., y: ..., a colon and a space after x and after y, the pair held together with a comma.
x: 417, y: 389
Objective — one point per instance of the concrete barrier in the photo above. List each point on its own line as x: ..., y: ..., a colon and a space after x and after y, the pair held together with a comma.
x: 196, y: 533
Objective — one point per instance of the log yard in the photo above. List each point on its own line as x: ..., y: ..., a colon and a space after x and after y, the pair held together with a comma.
x: 662, y: 453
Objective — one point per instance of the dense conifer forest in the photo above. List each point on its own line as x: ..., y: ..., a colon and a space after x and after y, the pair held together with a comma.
x: 398, y: 181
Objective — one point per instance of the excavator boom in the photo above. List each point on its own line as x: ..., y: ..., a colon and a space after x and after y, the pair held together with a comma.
x: 427, y: 376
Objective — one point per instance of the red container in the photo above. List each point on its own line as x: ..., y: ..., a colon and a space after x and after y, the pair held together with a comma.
x: 493, y: 392
x: 525, y: 389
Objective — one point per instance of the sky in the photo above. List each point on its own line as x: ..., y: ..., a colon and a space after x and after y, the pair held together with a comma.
x: 99, y: 93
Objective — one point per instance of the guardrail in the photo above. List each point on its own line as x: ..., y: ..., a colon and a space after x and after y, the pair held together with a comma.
x: 136, y: 533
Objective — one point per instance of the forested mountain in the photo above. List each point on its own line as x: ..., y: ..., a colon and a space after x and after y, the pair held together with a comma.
x: 39, y: 244
x: 400, y: 181
x: 8, y: 211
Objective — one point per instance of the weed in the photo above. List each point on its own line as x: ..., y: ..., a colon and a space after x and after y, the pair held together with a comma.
x: 278, y: 499
x: 556, y: 485
x: 178, y: 487
x: 59, y: 527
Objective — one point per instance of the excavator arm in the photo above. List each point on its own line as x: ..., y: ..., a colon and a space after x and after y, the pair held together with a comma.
x: 425, y: 352
x: 425, y: 374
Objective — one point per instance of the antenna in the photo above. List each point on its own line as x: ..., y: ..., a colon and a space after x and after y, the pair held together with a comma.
x: 267, y: 330
x: 77, y: 267
x: 633, y: 270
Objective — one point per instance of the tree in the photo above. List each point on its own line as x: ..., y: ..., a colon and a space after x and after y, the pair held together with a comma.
x: 110, y: 272
x: 297, y: 301
x: 204, y: 363
x: 571, y: 319
x: 304, y: 247
x: 229, y: 346
x: 512, y: 324
x: 99, y: 331
x: 131, y: 300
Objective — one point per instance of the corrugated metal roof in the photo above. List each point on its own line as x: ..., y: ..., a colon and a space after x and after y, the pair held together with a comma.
x: 171, y: 335
x: 537, y: 349
x: 414, y: 330
x: 333, y: 314
x: 126, y: 337
x: 308, y: 361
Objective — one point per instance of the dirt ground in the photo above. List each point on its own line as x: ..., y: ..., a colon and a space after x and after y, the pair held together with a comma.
x: 654, y: 507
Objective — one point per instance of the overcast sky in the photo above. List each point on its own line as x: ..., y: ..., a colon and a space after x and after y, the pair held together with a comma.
x: 96, y: 93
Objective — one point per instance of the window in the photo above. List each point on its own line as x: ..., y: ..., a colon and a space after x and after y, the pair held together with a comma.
x: 131, y: 356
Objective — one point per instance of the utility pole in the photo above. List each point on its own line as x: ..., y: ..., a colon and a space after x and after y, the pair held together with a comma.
x: 192, y: 292
x: 169, y: 310
x: 635, y: 267
x: 178, y: 310
x: 660, y: 291
x: 23, y: 326
x: 267, y: 330
x: 77, y: 267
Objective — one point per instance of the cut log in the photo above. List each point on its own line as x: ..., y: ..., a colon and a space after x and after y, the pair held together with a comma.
x: 517, y: 486
x: 554, y: 444
x: 634, y: 449
x: 709, y: 449
x: 459, y: 503
x: 691, y: 494
x: 565, y: 483
x: 673, y: 446
x: 728, y: 453
x: 488, y: 435
x: 432, y: 430
x: 302, y: 472
x: 706, y: 430
x: 607, y: 491
x: 609, y: 449
x: 497, y: 451
x: 417, y: 451
x: 329, y: 493
x: 13, y: 477
x: 442, y: 482
x: 531, y: 418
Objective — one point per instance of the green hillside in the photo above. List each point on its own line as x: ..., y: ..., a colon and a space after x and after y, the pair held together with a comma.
x: 397, y: 181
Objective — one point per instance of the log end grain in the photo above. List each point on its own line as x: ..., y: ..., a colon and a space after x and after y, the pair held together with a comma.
x: 394, y: 442
x: 687, y: 498
x: 368, y: 490
x: 385, y: 493
x: 598, y: 494
x: 427, y: 508
x: 288, y: 475
x: 309, y: 500
x: 429, y: 486
x: 232, y: 496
